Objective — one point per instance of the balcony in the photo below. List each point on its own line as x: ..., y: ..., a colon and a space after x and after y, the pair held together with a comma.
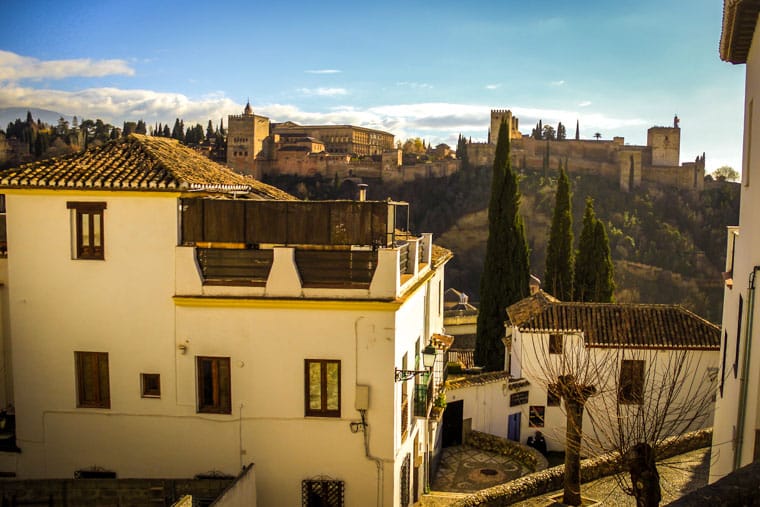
x: 424, y: 394
x: 404, y: 417
x: 292, y: 249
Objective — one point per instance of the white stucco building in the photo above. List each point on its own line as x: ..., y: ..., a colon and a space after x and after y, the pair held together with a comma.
x: 627, y: 352
x: 736, y: 433
x: 163, y: 316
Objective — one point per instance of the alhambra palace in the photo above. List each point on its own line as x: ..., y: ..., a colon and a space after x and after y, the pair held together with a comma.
x: 259, y: 147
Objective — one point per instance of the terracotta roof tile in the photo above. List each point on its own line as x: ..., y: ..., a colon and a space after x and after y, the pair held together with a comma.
x: 476, y: 380
x: 137, y: 162
x: 628, y: 325
x: 523, y: 309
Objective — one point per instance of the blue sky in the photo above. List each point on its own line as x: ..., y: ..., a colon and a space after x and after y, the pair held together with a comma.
x: 413, y: 68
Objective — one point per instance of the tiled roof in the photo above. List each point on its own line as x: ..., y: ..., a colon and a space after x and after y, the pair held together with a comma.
x: 738, y: 28
x: 476, y: 380
x: 440, y: 255
x: 137, y: 162
x: 626, y: 325
x: 523, y: 309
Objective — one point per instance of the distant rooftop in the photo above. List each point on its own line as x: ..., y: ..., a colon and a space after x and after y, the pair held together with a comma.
x: 137, y: 162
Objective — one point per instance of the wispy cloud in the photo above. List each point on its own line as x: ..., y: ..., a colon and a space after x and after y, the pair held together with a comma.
x: 323, y: 71
x: 412, y: 84
x: 14, y: 67
x: 585, y: 103
x: 558, y: 83
x: 493, y: 86
x: 323, y: 92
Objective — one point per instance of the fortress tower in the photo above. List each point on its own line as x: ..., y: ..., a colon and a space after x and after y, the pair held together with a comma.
x: 246, y: 135
x: 496, y: 117
x: 665, y: 143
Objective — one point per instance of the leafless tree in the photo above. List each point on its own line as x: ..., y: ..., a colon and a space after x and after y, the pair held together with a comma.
x: 634, y: 398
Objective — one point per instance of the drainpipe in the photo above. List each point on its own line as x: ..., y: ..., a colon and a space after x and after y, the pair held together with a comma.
x: 743, y: 389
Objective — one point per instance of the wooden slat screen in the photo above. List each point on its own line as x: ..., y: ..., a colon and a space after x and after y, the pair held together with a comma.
x: 346, y: 268
x: 286, y: 222
x: 220, y: 265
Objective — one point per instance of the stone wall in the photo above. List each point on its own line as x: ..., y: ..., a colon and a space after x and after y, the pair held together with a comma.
x: 551, y: 479
x: 109, y: 492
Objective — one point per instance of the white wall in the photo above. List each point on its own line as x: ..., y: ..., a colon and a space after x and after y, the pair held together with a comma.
x: 487, y: 405
x: 141, y: 306
x: 600, y: 368
x: 747, y: 256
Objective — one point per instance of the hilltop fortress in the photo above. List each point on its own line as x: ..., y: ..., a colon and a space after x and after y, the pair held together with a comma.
x: 257, y: 147
x: 657, y: 162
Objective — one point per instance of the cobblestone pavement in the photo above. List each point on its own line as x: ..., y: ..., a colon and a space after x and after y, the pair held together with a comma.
x: 678, y: 475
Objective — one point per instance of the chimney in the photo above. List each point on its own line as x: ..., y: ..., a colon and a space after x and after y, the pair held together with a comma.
x: 362, y: 191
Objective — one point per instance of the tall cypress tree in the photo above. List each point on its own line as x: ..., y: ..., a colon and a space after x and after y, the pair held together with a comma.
x: 593, y: 265
x: 506, y: 268
x: 605, y: 279
x: 560, y: 256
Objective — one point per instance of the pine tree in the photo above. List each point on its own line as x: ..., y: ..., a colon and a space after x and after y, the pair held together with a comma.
x: 594, y: 275
x: 560, y: 256
x: 506, y: 268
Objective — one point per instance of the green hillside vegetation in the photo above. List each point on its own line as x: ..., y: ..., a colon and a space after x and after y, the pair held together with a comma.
x: 668, y: 245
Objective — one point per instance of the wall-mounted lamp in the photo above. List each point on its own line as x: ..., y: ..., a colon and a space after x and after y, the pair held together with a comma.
x: 428, y: 360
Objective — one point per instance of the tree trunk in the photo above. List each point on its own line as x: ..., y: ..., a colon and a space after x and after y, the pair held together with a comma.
x: 574, y: 409
x: 644, y: 476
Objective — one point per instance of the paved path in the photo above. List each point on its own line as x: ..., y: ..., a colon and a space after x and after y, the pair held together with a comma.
x: 678, y: 475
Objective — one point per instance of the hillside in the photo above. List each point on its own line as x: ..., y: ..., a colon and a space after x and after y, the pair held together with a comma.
x: 668, y: 245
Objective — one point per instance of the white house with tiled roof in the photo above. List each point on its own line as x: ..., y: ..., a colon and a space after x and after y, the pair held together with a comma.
x: 628, y: 352
x: 163, y: 316
x: 736, y: 433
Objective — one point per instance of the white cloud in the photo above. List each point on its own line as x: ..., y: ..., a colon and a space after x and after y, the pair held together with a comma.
x: 322, y: 71
x: 558, y: 83
x: 412, y: 84
x: 434, y: 121
x: 15, y: 67
x: 493, y: 86
x: 585, y: 103
x: 323, y: 92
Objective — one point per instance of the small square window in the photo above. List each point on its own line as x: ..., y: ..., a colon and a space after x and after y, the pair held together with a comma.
x: 555, y: 344
x: 150, y: 385
x: 536, y: 416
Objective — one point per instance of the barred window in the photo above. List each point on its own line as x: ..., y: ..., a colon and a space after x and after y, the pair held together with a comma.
x: 322, y: 493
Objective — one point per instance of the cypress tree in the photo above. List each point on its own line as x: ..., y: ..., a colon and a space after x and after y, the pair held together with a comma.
x: 593, y: 264
x: 577, y: 130
x: 506, y: 268
x: 560, y: 257
x: 605, y: 283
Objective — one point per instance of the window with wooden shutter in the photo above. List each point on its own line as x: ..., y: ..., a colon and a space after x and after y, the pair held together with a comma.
x: 93, y: 390
x: 214, y: 386
x: 87, y: 229
x: 631, y: 384
x: 322, y: 389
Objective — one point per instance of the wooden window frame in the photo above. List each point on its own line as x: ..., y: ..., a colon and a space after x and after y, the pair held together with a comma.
x: 92, y: 380
x: 536, y: 416
x: 147, y: 382
x: 556, y: 343
x: 631, y: 382
x: 220, y: 378
x: 93, y: 213
x: 323, y: 411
